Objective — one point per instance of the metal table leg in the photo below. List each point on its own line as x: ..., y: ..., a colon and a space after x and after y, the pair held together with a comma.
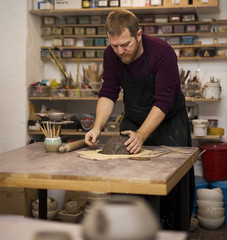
x: 42, y: 203
x: 185, y: 203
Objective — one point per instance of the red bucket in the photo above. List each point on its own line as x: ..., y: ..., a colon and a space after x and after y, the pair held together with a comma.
x: 214, y: 160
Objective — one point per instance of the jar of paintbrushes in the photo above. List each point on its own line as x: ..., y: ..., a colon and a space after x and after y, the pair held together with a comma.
x: 52, y: 141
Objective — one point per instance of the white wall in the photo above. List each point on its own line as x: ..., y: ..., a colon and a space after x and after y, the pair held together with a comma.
x: 20, y: 65
x: 13, y: 98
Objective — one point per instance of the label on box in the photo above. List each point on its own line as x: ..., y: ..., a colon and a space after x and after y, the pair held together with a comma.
x: 67, y: 4
x: 126, y: 3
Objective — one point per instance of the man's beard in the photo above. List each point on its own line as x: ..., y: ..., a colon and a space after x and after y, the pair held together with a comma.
x: 128, y: 58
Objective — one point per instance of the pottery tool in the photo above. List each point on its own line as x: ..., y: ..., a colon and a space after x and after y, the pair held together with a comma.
x: 147, y: 158
x: 72, y: 146
x: 58, y: 64
x: 49, y: 130
x: 175, y: 149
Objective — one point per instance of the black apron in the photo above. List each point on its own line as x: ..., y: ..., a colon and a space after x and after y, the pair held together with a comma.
x: 173, y: 131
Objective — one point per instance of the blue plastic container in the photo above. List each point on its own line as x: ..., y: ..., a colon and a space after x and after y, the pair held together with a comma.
x: 188, y: 40
x: 200, y: 182
x: 223, y: 186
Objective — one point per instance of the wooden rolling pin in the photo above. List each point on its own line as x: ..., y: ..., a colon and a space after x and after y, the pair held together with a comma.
x: 72, y: 146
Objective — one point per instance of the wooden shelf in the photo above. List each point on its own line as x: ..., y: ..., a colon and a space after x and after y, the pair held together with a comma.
x: 74, y: 132
x: 215, y: 22
x: 137, y: 10
x: 197, y: 34
x: 120, y: 99
x: 208, y: 137
x: 224, y: 45
x: 179, y: 58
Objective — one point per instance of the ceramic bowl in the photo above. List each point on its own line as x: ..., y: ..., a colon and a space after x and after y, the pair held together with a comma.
x: 68, y: 217
x: 56, y: 116
x: 211, y: 212
x: 52, y: 144
x: 121, y: 217
x: 209, y: 204
x: 52, y: 205
x: 69, y: 206
x: 87, y: 123
x: 211, y: 223
x: 209, y: 195
x: 50, y: 214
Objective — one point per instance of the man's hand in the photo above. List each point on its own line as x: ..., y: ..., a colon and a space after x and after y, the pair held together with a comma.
x: 91, y: 137
x: 135, y: 141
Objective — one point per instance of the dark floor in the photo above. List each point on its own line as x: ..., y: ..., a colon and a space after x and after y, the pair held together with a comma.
x: 204, y: 234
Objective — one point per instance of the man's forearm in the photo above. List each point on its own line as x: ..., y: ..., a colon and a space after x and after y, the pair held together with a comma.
x: 104, y: 110
x: 153, y: 120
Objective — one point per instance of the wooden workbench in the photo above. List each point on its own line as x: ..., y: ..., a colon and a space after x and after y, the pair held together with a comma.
x: 32, y: 167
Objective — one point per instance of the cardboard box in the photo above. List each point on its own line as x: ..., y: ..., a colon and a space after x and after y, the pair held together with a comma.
x: 175, y: 3
x: 205, y: 3
x: 17, y: 201
x: 67, y: 4
x: 138, y: 3
x: 126, y: 3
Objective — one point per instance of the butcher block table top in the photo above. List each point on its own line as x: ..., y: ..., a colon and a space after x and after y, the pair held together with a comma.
x: 32, y: 167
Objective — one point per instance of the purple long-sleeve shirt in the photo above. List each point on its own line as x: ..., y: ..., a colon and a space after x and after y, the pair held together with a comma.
x: 162, y: 61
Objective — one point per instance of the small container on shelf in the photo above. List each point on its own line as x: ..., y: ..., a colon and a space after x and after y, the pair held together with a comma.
x: 68, y: 31
x: 56, y: 42
x: 58, y: 92
x: 101, y: 30
x: 207, y: 52
x: 84, y: 19
x: 79, y: 30
x: 190, y: 28
x: 188, y: 40
x: 56, y: 30
x: 179, y: 28
x: 99, y: 53
x: 175, y: 18
x: 175, y: 40
x: 96, y: 20
x: 39, y: 91
x: 67, y: 53
x: 71, y: 20
x: 46, y: 30
x: 75, y: 92
x: 91, y: 30
x: 48, y: 20
x: 100, y: 41
x: 88, y: 42
x: 204, y: 28
x: 69, y: 42
x: 188, y: 52
x: 90, y: 54
x: 150, y: 29
x: 76, y: 53
x: 148, y: 18
x: 44, y: 53
x: 188, y: 17
x: 87, y: 93
x: 161, y: 19
x: 167, y: 28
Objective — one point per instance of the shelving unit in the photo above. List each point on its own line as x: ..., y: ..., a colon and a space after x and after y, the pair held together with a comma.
x: 157, y: 10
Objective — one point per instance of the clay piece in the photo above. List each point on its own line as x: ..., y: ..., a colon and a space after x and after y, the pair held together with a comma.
x: 115, y: 145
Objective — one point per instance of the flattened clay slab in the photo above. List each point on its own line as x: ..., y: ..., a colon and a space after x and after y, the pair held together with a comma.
x: 115, y: 145
x: 95, y: 154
